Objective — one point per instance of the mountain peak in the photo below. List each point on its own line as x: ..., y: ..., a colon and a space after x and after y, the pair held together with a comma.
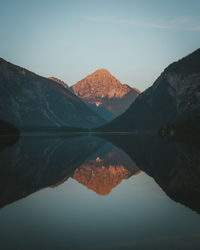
x: 102, y: 71
x: 101, y: 74
x: 104, y: 93
x: 100, y: 84
x: 39, y: 101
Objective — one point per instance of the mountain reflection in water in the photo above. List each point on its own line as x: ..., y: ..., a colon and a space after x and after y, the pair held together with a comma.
x: 34, y: 163
x: 105, y: 169
x: 104, y: 164
x: 175, y: 167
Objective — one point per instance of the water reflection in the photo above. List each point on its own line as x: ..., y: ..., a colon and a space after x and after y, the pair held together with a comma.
x: 175, y: 167
x: 34, y: 163
x: 105, y: 169
x: 95, y: 198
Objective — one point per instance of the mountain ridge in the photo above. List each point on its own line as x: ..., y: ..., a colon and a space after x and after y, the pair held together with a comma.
x: 59, y: 81
x: 173, y: 97
x: 105, y: 94
x: 30, y: 99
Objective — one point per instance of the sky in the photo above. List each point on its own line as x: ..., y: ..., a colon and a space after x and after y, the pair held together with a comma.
x: 133, y: 39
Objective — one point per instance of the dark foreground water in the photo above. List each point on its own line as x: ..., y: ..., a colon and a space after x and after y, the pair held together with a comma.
x: 87, y: 193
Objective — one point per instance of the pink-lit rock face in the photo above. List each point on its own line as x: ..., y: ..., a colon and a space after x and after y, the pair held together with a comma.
x: 107, y: 95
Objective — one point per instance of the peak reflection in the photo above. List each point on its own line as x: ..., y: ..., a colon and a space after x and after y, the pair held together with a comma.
x: 175, y: 167
x: 105, y: 169
x: 35, y: 163
x: 100, y: 164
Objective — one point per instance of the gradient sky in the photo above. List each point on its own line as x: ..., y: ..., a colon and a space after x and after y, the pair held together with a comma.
x: 134, y: 40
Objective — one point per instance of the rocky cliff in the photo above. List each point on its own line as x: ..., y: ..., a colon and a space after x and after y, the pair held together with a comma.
x: 105, y: 94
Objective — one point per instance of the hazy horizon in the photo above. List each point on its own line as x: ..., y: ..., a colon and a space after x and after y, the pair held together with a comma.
x: 133, y: 40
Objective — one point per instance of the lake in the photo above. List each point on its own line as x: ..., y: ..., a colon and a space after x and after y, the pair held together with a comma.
x: 99, y: 192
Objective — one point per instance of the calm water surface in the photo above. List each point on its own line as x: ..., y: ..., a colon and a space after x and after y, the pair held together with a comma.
x: 86, y: 193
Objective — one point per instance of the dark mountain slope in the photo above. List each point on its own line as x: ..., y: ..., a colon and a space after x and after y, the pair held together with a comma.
x: 9, y: 134
x: 59, y: 81
x: 174, y: 97
x: 28, y: 99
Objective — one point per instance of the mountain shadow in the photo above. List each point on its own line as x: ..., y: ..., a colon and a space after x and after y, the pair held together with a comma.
x: 187, y: 131
x: 175, y: 167
x: 34, y: 163
x: 9, y: 134
x: 173, y: 97
x: 27, y: 99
